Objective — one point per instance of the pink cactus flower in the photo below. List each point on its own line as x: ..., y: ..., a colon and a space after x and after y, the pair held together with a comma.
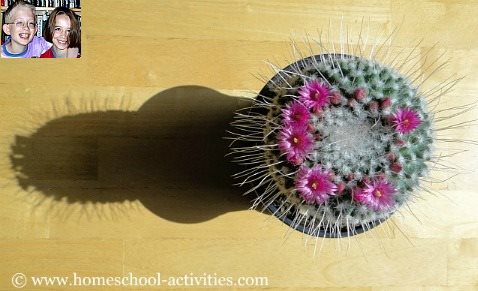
x: 377, y: 195
x: 314, y: 95
x: 405, y: 120
x: 314, y: 185
x: 296, y: 143
x: 295, y: 115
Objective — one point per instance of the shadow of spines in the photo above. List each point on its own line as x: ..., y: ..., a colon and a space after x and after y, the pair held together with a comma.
x: 169, y: 155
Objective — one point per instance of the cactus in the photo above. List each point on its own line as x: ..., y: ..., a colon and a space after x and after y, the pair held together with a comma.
x: 334, y: 144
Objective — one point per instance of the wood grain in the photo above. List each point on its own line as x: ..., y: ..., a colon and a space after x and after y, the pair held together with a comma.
x: 114, y: 162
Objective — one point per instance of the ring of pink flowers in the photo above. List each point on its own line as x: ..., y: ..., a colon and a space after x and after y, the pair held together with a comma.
x: 295, y: 138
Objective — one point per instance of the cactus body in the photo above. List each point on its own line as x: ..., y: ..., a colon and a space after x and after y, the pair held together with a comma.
x: 335, y: 144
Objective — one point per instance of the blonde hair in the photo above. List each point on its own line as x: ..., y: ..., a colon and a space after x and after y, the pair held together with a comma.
x: 19, y: 3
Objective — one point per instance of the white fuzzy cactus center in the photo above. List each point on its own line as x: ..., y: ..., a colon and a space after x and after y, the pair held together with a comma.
x: 351, y: 136
x: 351, y: 141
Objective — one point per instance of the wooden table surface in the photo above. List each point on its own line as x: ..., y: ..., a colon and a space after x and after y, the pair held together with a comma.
x: 113, y: 163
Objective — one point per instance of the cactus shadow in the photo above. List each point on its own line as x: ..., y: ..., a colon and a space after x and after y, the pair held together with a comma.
x: 168, y: 155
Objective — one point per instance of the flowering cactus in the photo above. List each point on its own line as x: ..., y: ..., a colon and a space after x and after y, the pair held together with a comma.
x: 335, y: 144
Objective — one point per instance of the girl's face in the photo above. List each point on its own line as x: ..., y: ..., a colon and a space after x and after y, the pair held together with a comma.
x: 61, y: 32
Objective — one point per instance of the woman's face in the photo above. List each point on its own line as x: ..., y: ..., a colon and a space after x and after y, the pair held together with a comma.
x: 61, y: 32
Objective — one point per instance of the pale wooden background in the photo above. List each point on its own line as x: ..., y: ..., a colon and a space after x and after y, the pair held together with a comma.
x: 112, y: 163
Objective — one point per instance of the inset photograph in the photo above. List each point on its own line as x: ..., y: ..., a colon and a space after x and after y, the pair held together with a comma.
x: 41, y: 29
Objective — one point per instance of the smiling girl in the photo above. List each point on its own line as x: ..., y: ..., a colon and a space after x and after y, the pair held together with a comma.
x: 63, y: 30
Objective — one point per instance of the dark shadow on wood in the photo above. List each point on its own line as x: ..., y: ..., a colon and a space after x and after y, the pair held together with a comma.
x: 169, y: 155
